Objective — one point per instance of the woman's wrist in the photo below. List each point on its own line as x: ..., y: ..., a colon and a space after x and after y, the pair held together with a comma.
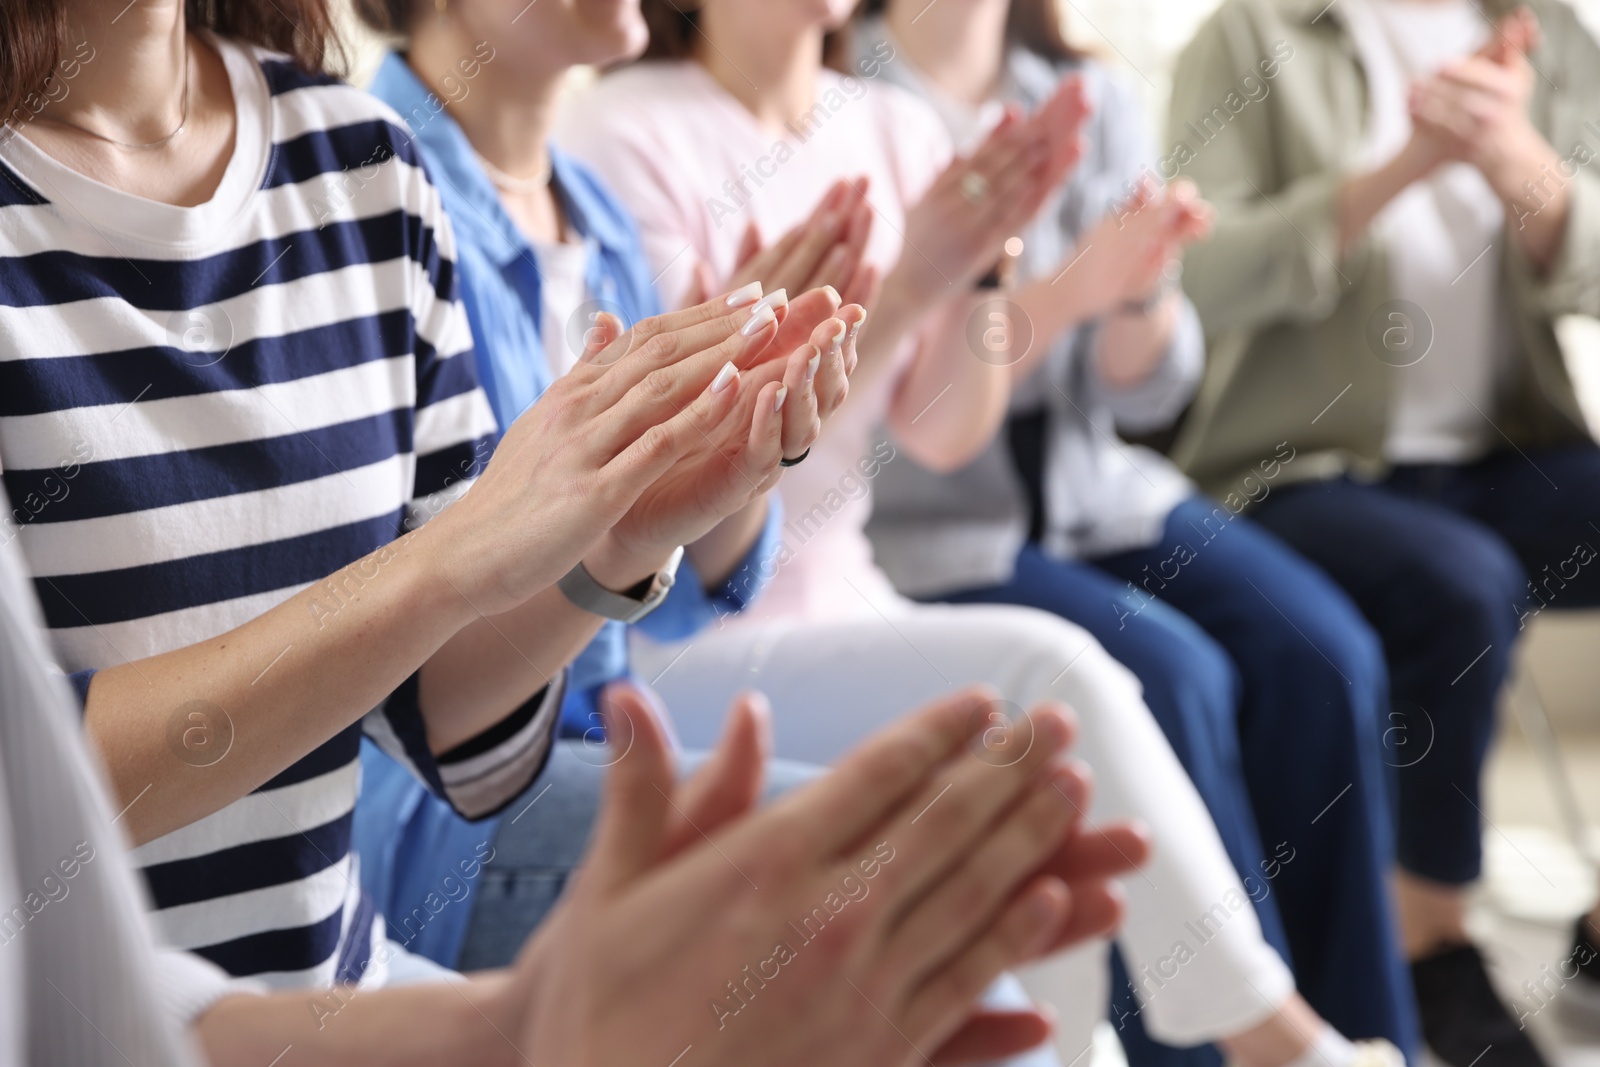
x: 618, y: 566
x: 449, y: 580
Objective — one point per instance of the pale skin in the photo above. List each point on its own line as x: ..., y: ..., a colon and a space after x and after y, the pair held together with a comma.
x: 1473, y: 111
x: 507, y: 113
x: 482, y: 621
x: 961, y: 48
x: 660, y: 917
x: 948, y: 404
x: 618, y: 441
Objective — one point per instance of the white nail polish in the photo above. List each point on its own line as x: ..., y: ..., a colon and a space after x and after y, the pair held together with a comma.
x: 745, y: 295
x: 724, y: 376
x: 838, y: 338
x: 812, y: 364
x: 862, y: 321
x: 835, y: 294
x: 777, y: 401
x: 760, y: 318
x: 776, y: 299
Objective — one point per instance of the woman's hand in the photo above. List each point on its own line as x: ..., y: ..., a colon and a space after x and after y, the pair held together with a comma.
x: 851, y: 922
x: 1476, y: 109
x: 783, y: 405
x: 826, y: 249
x: 575, y: 462
x: 1124, y: 258
x: 956, y: 231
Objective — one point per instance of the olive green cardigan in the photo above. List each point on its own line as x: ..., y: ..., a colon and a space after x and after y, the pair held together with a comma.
x: 1270, y: 104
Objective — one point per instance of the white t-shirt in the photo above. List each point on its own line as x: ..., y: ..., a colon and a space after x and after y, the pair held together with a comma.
x: 563, y: 290
x: 1444, y: 238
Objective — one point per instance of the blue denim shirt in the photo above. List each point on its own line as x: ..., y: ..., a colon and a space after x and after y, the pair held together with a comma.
x: 414, y: 849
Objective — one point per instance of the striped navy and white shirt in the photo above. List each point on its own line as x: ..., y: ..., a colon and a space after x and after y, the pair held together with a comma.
x: 204, y: 410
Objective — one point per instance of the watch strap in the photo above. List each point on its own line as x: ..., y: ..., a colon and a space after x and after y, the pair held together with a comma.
x: 579, y: 586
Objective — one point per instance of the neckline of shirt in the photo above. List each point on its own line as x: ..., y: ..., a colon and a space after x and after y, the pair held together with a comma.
x: 152, y: 223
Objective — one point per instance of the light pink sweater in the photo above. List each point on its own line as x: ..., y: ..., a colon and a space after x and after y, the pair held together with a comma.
x: 694, y: 166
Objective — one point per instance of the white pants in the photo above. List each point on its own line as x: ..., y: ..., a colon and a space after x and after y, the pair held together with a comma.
x: 1210, y: 974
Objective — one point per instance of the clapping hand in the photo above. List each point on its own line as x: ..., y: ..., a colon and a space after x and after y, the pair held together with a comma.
x: 1475, y: 110
x: 959, y: 227
x: 935, y: 869
x: 1124, y: 258
x: 783, y: 401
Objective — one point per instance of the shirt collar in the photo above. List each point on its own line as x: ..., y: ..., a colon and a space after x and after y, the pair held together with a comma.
x: 455, y: 168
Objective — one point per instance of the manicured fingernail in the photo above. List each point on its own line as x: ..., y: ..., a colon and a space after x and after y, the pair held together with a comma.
x: 862, y: 321
x: 838, y: 337
x: 761, y: 317
x: 777, y: 401
x: 813, y: 363
x: 745, y: 295
x: 776, y: 299
x: 724, y: 377
x: 831, y: 291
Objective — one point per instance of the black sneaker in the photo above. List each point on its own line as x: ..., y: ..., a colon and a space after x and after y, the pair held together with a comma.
x: 1580, y: 997
x: 1463, y: 1020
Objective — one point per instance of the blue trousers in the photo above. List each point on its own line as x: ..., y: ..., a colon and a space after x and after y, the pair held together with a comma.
x: 1449, y: 563
x: 1272, y: 690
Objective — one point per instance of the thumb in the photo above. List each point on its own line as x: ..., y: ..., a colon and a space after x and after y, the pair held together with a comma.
x: 1515, y: 34
x: 749, y: 245
x: 728, y: 785
x: 604, y: 330
x: 703, y: 286
x: 632, y: 828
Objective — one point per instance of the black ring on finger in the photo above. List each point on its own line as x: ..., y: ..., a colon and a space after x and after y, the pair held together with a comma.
x: 796, y: 461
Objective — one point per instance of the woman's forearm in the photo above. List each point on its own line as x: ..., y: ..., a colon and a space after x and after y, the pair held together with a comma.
x: 952, y: 400
x: 1363, y: 196
x: 1053, y: 307
x: 187, y: 732
x: 472, y: 1020
x: 1129, y: 348
x: 721, y: 551
x: 1527, y: 164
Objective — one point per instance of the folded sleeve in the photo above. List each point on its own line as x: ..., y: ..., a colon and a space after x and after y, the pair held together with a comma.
x: 479, y: 777
x: 690, y: 607
x: 1571, y: 286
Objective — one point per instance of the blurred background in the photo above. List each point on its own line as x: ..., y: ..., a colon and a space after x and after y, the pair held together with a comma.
x: 1543, y: 838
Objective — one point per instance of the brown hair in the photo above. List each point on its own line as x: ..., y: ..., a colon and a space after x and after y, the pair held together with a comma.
x: 387, y: 16
x: 33, y: 41
x: 674, y: 24
x: 1032, y: 24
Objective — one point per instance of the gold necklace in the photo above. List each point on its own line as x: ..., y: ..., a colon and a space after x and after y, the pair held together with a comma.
x: 511, y: 183
x: 182, y: 121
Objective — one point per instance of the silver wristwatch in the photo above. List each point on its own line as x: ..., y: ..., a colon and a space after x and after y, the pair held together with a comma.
x: 630, y: 606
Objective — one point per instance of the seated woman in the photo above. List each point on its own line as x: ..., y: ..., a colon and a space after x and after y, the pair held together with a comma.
x: 86, y: 985
x: 239, y: 397
x: 701, y: 141
x: 1402, y: 215
x: 1261, y: 672
x: 543, y: 249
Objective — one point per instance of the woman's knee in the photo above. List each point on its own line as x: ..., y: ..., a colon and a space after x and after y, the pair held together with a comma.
x: 1472, y: 587
x: 1191, y: 683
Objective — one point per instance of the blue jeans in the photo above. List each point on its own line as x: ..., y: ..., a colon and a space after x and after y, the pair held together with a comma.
x: 536, y: 855
x: 1448, y: 563
x: 1272, y: 691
